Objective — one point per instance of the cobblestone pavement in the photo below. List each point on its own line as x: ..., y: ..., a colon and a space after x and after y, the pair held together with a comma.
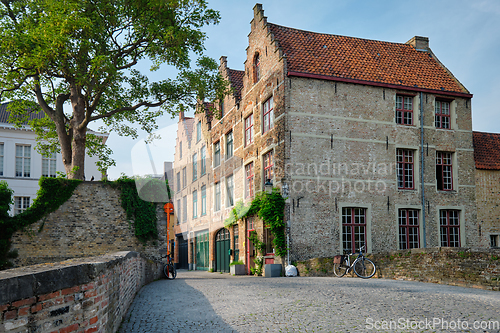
x: 212, y: 302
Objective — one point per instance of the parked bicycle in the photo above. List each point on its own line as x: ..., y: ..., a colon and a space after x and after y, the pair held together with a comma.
x: 169, y: 268
x: 363, y: 267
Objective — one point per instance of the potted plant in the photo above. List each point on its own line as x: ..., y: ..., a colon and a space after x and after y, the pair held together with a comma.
x: 237, y: 268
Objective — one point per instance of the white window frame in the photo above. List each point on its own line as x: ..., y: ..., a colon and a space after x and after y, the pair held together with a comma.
x: 195, y: 204
x: 249, y: 130
x: 203, y: 200
x: 217, y: 154
x: 217, y: 197
x: 25, y: 161
x: 230, y: 191
x: 21, y: 204
x: 268, y: 115
x: 51, y: 164
x: 229, y: 145
x: 203, y: 161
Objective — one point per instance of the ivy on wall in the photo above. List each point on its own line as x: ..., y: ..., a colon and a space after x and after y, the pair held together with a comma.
x: 143, y: 213
x: 270, y: 208
x: 52, y: 194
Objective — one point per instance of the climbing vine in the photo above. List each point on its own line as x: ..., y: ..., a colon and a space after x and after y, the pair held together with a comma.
x: 142, y: 212
x: 270, y: 208
x: 52, y: 194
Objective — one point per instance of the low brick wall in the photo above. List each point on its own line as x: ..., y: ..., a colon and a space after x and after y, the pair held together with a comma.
x: 81, y: 295
x: 454, y: 266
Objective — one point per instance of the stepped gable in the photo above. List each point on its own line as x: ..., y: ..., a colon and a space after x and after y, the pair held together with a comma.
x: 236, y: 79
x: 486, y: 150
x: 188, y: 123
x: 363, y: 60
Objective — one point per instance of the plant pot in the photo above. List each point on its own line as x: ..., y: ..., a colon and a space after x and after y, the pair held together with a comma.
x: 272, y: 270
x: 237, y: 270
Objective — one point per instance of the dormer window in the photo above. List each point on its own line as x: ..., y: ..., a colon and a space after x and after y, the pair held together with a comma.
x: 256, y: 68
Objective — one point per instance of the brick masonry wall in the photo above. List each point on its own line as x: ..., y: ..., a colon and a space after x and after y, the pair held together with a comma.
x: 79, y: 295
x: 488, y: 204
x: 476, y: 268
x: 92, y: 222
x: 343, y: 145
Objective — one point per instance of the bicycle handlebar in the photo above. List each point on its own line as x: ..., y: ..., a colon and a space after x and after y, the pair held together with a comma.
x: 353, y: 253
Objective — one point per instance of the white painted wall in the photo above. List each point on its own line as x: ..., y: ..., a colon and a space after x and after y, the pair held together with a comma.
x: 28, y: 186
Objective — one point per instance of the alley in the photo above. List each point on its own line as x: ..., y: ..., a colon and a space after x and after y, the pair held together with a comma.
x: 213, y: 302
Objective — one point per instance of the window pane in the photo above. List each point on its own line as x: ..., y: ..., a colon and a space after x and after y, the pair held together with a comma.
x: 399, y: 102
x: 203, y: 200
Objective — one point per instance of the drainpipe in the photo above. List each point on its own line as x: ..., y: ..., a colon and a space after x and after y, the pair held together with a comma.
x: 422, y: 165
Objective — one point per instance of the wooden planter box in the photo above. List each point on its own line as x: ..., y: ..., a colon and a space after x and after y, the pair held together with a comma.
x: 237, y: 270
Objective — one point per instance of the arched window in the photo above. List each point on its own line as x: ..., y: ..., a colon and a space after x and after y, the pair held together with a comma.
x: 256, y: 68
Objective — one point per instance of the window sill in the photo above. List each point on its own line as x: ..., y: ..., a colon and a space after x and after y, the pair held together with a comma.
x: 447, y: 191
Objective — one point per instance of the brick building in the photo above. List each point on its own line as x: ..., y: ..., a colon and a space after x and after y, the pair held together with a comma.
x: 370, y: 140
x: 487, y: 158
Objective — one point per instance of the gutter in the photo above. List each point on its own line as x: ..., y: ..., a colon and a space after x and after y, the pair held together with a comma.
x: 422, y: 166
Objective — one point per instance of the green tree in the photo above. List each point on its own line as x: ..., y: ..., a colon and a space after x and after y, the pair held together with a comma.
x: 77, y: 61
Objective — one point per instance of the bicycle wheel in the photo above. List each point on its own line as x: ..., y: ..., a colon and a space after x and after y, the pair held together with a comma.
x: 169, y: 271
x: 364, y: 268
x: 340, y: 269
x: 173, y: 271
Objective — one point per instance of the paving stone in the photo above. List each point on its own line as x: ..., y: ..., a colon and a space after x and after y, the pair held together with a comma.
x: 199, y: 301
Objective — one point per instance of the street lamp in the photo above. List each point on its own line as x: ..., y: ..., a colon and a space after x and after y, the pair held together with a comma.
x: 268, y: 186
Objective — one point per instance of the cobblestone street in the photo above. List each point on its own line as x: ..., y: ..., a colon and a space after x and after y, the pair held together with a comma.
x: 213, y: 302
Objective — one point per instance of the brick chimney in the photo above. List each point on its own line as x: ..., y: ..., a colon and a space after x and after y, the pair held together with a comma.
x: 181, y: 116
x: 419, y: 43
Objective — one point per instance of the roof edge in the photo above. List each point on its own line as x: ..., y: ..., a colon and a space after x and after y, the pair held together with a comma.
x: 378, y: 84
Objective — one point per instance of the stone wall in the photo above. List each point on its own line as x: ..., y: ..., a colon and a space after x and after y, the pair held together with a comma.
x: 454, y: 266
x: 79, y: 295
x: 344, y: 143
x: 92, y: 222
x: 488, y: 205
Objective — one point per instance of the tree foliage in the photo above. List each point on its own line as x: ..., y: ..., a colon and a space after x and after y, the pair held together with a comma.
x: 77, y: 61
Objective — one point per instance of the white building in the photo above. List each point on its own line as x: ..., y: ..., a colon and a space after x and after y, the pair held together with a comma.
x: 22, y: 166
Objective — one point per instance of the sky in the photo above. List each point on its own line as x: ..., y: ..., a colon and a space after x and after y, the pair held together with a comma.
x: 463, y: 34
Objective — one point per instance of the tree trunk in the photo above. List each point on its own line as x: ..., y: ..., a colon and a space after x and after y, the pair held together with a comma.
x: 76, y: 169
x: 74, y: 164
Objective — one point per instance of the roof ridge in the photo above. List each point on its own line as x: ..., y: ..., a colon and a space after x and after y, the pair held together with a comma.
x: 337, y: 35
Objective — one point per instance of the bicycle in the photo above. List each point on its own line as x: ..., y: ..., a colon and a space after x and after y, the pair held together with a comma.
x: 363, y: 267
x: 169, y: 268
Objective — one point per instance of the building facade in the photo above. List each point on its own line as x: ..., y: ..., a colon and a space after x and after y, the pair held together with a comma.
x: 487, y: 158
x: 370, y: 141
x: 21, y: 166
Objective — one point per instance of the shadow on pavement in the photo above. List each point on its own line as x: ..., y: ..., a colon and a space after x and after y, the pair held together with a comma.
x: 173, y: 306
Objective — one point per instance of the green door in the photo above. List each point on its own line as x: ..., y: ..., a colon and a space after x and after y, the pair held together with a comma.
x: 202, y: 251
x: 222, y: 246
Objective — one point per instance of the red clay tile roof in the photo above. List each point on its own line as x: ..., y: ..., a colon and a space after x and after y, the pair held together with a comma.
x: 362, y: 59
x: 486, y: 150
x: 236, y: 79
